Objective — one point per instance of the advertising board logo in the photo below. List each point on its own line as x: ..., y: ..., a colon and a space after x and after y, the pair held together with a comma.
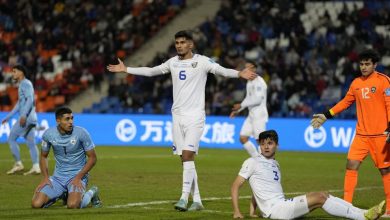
x: 315, y: 138
x: 125, y: 130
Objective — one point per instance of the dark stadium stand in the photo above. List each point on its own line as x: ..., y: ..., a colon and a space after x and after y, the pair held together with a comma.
x: 307, y: 51
x: 67, y: 44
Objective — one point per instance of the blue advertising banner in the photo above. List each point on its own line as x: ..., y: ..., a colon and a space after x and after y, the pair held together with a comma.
x: 219, y: 132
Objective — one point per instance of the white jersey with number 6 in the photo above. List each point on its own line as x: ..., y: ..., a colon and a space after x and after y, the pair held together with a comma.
x: 189, y: 78
x: 189, y: 81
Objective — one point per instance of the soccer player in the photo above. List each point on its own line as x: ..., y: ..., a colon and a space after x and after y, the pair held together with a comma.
x: 71, y: 147
x: 371, y: 92
x: 256, y: 102
x: 25, y: 126
x: 189, y: 74
x: 263, y: 174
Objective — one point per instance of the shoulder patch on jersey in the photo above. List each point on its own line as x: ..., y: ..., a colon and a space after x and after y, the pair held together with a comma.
x: 387, y: 91
x: 373, y: 89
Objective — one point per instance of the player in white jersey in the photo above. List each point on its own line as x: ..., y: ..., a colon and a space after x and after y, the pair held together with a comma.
x: 256, y: 102
x: 189, y: 74
x: 263, y: 174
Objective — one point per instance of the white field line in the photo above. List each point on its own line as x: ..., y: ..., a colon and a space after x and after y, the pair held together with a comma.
x: 134, y: 204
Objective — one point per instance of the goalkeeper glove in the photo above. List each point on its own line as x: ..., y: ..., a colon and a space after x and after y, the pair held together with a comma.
x: 319, y: 119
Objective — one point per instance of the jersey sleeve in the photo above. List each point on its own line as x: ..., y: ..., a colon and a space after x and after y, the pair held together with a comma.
x: 45, y: 146
x: 258, y: 97
x: 347, y: 101
x: 212, y: 67
x: 247, y: 168
x: 86, y: 140
x: 386, y: 94
x: 27, y: 96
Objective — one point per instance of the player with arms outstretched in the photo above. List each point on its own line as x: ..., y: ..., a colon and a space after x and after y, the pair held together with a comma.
x: 189, y: 74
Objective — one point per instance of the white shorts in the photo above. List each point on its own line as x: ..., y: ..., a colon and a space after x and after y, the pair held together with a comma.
x: 252, y: 127
x: 186, y: 132
x: 290, y: 208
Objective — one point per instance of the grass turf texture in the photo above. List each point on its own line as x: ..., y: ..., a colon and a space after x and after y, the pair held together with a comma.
x: 129, y: 175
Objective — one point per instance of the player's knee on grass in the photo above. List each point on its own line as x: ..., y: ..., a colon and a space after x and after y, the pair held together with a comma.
x: 73, y: 204
x: 39, y: 200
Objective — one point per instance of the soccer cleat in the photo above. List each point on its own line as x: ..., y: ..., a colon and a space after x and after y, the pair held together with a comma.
x: 35, y: 170
x: 181, y: 205
x: 376, y: 211
x: 196, y: 206
x: 16, y: 168
x: 386, y: 215
x: 95, y: 201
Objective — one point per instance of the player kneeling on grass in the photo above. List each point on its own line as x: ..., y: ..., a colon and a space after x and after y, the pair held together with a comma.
x: 71, y: 147
x: 264, y: 177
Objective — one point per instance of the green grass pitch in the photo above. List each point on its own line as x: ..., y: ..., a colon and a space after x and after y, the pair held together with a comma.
x: 143, y: 183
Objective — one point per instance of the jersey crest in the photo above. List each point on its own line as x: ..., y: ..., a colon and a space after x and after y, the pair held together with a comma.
x: 373, y: 89
x: 73, y: 141
x: 387, y: 92
x: 194, y: 64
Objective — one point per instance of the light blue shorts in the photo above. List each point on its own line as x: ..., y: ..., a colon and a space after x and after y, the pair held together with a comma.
x: 61, y: 185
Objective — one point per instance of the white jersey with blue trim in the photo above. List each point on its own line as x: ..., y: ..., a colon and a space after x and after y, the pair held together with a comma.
x: 189, y: 78
x: 265, y: 179
x: 69, y: 150
x: 256, y: 99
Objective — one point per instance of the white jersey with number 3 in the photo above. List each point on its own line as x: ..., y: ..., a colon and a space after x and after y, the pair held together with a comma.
x: 265, y: 179
x: 189, y: 78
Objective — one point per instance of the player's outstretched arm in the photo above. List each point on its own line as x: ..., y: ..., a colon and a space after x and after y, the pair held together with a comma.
x: 118, y: 68
x: 247, y: 74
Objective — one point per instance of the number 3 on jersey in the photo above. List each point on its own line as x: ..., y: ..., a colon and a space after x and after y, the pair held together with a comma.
x: 182, y: 75
x: 276, y: 177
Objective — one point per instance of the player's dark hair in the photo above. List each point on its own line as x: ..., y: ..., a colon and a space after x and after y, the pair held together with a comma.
x: 22, y: 69
x: 252, y: 62
x: 369, y: 54
x: 271, y: 134
x: 61, y: 111
x: 186, y: 34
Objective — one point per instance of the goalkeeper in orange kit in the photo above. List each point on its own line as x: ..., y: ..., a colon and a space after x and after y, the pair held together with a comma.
x: 371, y: 92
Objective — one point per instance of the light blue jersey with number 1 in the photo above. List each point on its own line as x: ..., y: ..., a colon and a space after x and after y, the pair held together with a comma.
x: 69, y: 150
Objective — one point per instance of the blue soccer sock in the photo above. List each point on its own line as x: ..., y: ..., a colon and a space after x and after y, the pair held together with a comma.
x: 14, y: 147
x: 30, y: 141
x: 86, y: 199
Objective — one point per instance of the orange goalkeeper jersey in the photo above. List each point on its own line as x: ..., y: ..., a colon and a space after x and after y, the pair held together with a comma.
x: 372, y: 97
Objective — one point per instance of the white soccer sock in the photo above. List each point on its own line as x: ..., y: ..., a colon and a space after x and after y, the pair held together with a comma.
x: 338, y: 207
x: 251, y: 149
x: 195, y: 189
x: 188, y: 178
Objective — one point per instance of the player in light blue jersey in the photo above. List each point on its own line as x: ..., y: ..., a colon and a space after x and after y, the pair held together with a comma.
x: 25, y: 126
x: 71, y: 147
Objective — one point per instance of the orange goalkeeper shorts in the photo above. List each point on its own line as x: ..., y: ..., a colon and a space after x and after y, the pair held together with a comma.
x: 375, y: 145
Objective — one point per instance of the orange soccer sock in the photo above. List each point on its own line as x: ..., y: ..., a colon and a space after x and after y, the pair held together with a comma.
x: 386, y: 185
x: 350, y: 181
